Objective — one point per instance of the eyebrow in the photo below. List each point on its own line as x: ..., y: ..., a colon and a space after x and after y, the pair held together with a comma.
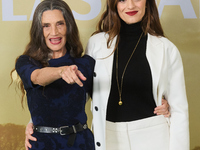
x: 60, y: 21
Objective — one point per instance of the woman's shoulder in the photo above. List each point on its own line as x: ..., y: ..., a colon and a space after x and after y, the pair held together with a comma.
x: 168, y: 46
x: 161, y: 39
x: 25, y: 59
x: 22, y: 59
x: 86, y: 59
x: 99, y: 37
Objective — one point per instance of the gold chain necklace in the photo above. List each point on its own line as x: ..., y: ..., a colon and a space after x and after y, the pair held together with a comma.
x: 120, y: 88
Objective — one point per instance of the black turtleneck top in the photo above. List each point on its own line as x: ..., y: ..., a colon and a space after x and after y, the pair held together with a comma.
x: 137, y: 94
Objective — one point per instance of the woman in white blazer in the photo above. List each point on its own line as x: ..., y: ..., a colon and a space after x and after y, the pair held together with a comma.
x: 114, y: 30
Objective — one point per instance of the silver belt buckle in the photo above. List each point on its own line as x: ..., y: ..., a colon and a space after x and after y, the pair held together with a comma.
x: 85, y: 126
x: 62, y: 128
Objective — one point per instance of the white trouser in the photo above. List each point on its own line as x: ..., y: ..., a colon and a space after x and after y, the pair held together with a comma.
x: 146, y: 134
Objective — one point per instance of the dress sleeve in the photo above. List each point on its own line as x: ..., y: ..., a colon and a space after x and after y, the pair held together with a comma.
x: 25, y: 65
x: 90, y: 47
x: 90, y: 70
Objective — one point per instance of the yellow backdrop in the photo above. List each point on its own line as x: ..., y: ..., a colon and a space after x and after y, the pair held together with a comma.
x: 181, y: 23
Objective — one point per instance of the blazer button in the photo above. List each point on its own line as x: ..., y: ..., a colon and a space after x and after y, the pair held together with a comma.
x: 94, y: 74
x: 98, y: 144
x: 96, y: 108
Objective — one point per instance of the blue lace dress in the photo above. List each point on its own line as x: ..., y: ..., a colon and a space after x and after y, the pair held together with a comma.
x: 58, y: 104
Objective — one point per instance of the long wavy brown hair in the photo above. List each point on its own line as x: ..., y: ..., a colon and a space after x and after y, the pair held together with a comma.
x: 110, y: 21
x: 37, y: 48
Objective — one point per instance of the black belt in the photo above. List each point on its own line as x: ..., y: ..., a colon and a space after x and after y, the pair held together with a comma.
x: 64, y: 130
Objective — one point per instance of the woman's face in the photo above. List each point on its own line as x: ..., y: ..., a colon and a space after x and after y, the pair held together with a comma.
x: 54, y: 30
x: 131, y: 11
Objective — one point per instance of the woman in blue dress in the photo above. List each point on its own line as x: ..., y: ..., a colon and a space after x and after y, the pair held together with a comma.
x: 56, y: 78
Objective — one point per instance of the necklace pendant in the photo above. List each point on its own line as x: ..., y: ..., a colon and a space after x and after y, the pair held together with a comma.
x: 120, y: 103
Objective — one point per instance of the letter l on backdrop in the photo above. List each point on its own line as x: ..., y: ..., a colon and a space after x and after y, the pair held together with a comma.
x: 7, y: 12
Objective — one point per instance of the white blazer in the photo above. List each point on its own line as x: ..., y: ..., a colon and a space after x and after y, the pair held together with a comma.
x: 168, y: 80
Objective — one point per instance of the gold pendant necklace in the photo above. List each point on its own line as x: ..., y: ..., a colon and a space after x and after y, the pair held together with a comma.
x: 120, y: 87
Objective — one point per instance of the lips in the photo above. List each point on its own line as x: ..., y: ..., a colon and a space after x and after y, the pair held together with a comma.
x: 131, y: 13
x: 55, y: 41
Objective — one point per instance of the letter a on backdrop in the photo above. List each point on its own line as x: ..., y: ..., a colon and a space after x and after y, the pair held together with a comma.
x: 186, y: 7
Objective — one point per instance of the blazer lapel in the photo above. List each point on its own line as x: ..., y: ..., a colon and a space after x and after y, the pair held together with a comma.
x: 107, y: 62
x: 154, y: 53
x: 107, y: 54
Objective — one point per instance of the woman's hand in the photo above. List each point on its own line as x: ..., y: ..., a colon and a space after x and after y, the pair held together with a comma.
x: 163, y: 109
x: 29, y: 132
x: 72, y: 75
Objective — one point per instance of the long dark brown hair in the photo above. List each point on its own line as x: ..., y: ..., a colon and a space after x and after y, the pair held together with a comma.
x: 110, y: 21
x: 37, y: 48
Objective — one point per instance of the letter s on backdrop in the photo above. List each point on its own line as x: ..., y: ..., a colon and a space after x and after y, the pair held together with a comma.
x: 95, y: 10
